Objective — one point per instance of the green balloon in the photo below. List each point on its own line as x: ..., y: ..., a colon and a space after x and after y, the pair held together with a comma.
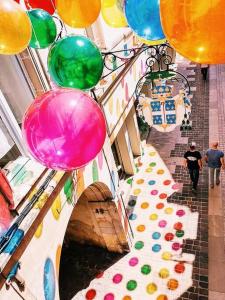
x: 43, y: 28
x: 75, y: 62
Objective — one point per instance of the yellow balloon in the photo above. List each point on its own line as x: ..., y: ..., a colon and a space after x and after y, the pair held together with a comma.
x: 152, y: 43
x: 15, y: 28
x: 78, y: 13
x: 112, y: 15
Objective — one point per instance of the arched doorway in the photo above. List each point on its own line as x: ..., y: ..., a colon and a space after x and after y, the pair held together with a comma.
x: 93, y: 239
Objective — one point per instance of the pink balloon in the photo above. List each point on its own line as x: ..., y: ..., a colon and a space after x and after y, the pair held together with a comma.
x: 64, y: 129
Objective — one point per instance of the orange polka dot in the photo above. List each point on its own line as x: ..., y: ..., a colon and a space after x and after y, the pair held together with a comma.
x: 179, y: 268
x: 163, y: 196
x: 162, y: 297
x: 127, y: 298
x: 140, y: 181
x: 160, y: 172
x: 145, y: 205
x: 159, y: 205
x: 172, y: 284
x: 141, y: 228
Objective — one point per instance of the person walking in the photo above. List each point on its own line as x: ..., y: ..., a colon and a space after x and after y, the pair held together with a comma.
x: 193, y: 161
x: 215, y: 159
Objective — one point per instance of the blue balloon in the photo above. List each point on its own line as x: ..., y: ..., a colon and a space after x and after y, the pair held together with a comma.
x: 143, y: 17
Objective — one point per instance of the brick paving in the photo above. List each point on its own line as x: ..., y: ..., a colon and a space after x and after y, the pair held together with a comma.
x: 199, y: 202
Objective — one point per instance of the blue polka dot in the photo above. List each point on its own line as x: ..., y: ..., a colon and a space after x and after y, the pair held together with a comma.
x: 133, y: 217
x: 49, y: 280
x: 151, y: 182
x: 156, y: 235
x: 156, y: 248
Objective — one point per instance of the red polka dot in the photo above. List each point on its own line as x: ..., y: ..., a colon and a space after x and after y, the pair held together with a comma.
x: 163, y: 196
x: 178, y: 226
x: 100, y: 275
x: 167, y: 182
x: 179, y: 268
x: 90, y: 294
x: 159, y: 205
x: 169, y: 236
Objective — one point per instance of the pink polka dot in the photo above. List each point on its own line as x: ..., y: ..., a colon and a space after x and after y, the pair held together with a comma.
x: 180, y: 213
x: 154, y: 192
x: 176, y: 246
x: 167, y: 182
x: 109, y: 296
x: 117, y: 278
x: 176, y: 186
x: 133, y: 261
x: 162, y: 223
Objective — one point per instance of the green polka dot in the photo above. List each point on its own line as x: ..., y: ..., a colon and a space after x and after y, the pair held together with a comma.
x: 179, y: 233
x: 152, y: 164
x: 95, y: 176
x: 139, y: 245
x: 68, y: 190
x: 130, y: 180
x: 146, y: 269
x: 131, y: 285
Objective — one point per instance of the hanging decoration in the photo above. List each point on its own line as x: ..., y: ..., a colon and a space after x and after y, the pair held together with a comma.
x: 194, y: 29
x: 162, y: 110
x: 15, y: 28
x: 78, y: 14
x: 144, y: 19
x: 47, y: 5
x: 75, y: 62
x: 64, y: 129
x: 112, y: 14
x: 43, y: 29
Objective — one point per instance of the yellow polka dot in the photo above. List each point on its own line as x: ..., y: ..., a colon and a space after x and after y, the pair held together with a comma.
x: 141, y: 228
x: 152, y: 153
x: 153, y: 217
x: 160, y: 172
x: 137, y: 192
x: 166, y: 255
x: 168, y: 210
x: 39, y: 230
x: 56, y: 207
x: 148, y: 170
x: 151, y: 288
x: 164, y: 273
x: 140, y: 181
x: 145, y: 205
x: 57, y: 259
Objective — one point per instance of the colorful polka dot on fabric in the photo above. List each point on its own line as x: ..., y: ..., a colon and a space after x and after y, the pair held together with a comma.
x: 151, y: 288
x: 127, y: 298
x: 146, y: 269
x: 90, y: 294
x: 172, y: 284
x: 178, y: 226
x: 169, y: 236
x: 154, y: 192
x: 164, y: 273
x: 176, y: 246
x: 152, y: 182
x: 141, y: 228
x: 179, y: 233
x: 136, y: 192
x: 140, y: 181
x: 156, y: 248
x: 162, y: 223
x: 156, y: 235
x: 153, y: 153
x: 132, y: 203
x: 180, y: 213
x: 168, y: 210
x: 179, y: 268
x: 144, y: 205
x: 131, y: 285
x: 133, y: 261
x: 109, y: 296
x: 160, y: 172
x: 160, y: 206
x: 176, y: 186
x: 167, y: 182
x: 153, y: 217
x: 139, y: 245
x: 117, y: 278
x: 163, y: 196
x: 133, y: 217
x: 152, y: 164
x: 166, y: 255
x: 162, y: 297
x: 100, y: 275
x: 148, y: 170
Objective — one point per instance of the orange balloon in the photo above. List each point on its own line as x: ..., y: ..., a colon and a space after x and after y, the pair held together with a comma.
x: 195, y: 28
x: 15, y: 28
x: 78, y: 13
